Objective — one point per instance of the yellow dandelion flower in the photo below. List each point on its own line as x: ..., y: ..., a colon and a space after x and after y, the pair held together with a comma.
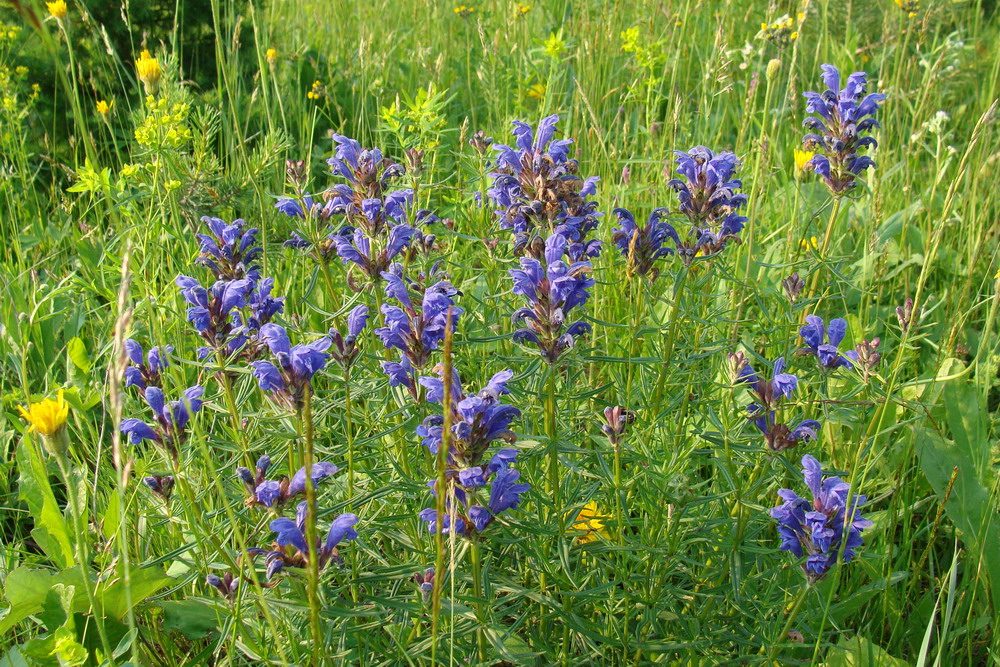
x: 104, y: 107
x: 48, y: 418
x: 271, y: 55
x: 316, y: 91
x: 149, y: 71
x: 589, y: 523
x: 57, y: 9
x: 520, y: 9
x: 463, y: 11
x: 801, y: 158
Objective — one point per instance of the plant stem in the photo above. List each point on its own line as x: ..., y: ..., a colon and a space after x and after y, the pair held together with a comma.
x: 668, y: 348
x: 773, y: 651
x: 551, y: 433
x: 311, y: 540
x: 442, y: 462
x: 477, y: 589
x: 814, y: 283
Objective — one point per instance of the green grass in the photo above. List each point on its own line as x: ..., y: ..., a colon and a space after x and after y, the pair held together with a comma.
x: 96, y: 222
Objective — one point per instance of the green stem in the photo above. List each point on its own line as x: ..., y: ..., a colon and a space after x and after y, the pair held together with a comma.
x: 668, y: 348
x: 442, y: 489
x: 773, y: 652
x: 477, y: 588
x: 349, y: 433
x: 551, y: 433
x: 311, y: 539
x: 827, y: 236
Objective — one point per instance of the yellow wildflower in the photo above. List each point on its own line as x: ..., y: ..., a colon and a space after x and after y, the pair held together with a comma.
x: 537, y: 91
x: 520, y: 9
x: 57, y: 9
x: 21, y: 71
x: 811, y: 242
x: 462, y: 11
x: 271, y: 56
x: 801, y: 158
x: 589, y: 523
x: 149, y: 71
x: 48, y: 418
x: 316, y: 91
x: 104, y: 107
x: 909, y: 6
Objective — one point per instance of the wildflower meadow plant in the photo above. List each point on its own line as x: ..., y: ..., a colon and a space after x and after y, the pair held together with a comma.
x: 476, y: 423
x: 708, y: 198
x: 643, y: 246
x: 538, y: 192
x: 416, y: 327
x: 288, y: 377
x: 838, y: 131
x: 145, y: 371
x: 823, y: 343
x: 276, y: 493
x: 169, y: 429
x: 553, y: 289
x: 767, y: 398
x: 825, y: 529
x: 292, y: 549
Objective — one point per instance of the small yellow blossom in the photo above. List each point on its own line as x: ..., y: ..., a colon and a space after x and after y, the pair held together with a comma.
x: 589, y: 523
x: 149, y: 71
x: 316, y: 91
x: 271, y: 56
x: 104, y: 107
x: 48, y: 416
x: 520, y: 9
x: 537, y: 91
x: 801, y: 158
x: 781, y: 33
x: 811, y: 242
x: 57, y: 9
x: 909, y: 6
x: 21, y: 71
x: 997, y: 276
x: 463, y: 11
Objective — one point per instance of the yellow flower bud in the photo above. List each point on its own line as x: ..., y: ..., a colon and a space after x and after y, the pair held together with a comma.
x: 773, y: 67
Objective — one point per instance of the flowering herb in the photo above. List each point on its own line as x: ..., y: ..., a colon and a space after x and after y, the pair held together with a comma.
x: 286, y: 381
x: 553, y: 291
x: 643, y: 246
x: 843, y: 116
x: 477, y: 422
x: 275, y: 493
x: 416, y: 326
x: 161, y: 486
x: 824, y: 528
x: 537, y: 191
x: 147, y: 374
x: 616, y: 422
x: 345, y: 349
x: 169, y: 429
x: 290, y: 548
x: 425, y: 582
x: 588, y: 524
x: 227, y: 585
x: 708, y: 199
x: 229, y: 251
x: 48, y: 418
x: 823, y: 344
x: 214, y: 313
x: 768, y: 395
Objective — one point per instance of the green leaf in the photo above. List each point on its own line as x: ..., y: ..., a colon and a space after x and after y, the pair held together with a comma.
x: 143, y: 582
x: 50, y: 531
x: 26, y: 590
x: 77, y: 351
x: 859, y: 652
x: 191, y: 618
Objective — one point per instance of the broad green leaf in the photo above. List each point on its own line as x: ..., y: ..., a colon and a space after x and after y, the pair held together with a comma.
x: 77, y: 351
x: 26, y: 590
x: 50, y: 531
x: 859, y: 652
x: 191, y: 618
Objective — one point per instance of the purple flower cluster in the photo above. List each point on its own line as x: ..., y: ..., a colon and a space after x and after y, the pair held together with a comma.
x: 169, y: 429
x: 553, y: 290
x: 708, y: 199
x: 275, y: 493
x: 291, y: 549
x: 345, y: 348
x: 842, y: 117
x: 376, y: 229
x: 476, y: 423
x: 643, y: 246
x: 147, y: 374
x: 229, y: 314
x: 415, y: 327
x: 768, y: 396
x: 288, y: 376
x: 824, y: 343
x: 824, y: 528
x: 538, y: 192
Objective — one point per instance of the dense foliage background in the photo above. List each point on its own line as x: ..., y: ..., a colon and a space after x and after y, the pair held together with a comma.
x: 99, y: 212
